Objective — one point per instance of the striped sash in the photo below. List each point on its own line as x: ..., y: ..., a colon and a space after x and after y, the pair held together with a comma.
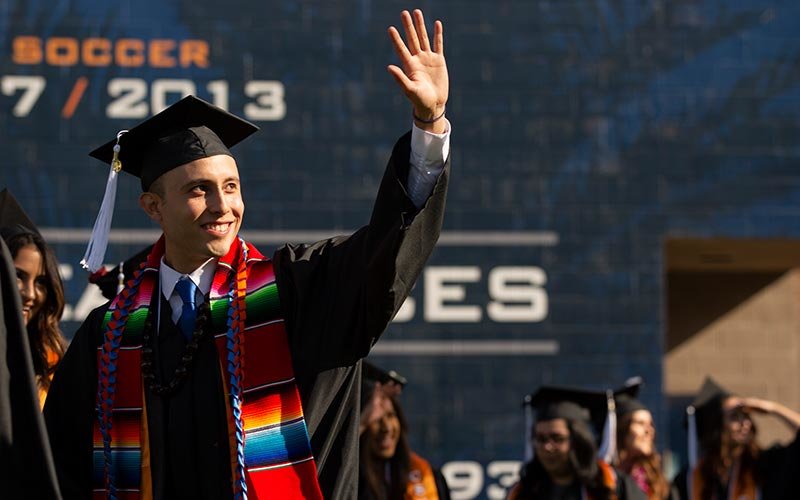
x: 271, y: 445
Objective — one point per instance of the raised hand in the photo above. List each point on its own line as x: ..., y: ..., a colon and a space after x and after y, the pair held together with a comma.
x: 423, y: 76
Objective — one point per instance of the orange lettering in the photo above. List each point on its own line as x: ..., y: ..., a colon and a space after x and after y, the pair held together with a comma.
x: 61, y: 51
x: 194, y: 52
x: 129, y: 52
x: 27, y: 50
x: 160, y: 53
x: 96, y: 52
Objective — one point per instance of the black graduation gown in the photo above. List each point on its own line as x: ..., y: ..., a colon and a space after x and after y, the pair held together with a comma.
x: 26, y: 467
x: 626, y: 489
x: 778, y: 468
x: 337, y: 297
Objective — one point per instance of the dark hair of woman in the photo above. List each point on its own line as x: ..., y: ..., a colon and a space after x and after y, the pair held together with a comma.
x: 535, y: 482
x: 373, y: 470
x: 44, y: 333
x: 659, y: 486
x: 717, y: 447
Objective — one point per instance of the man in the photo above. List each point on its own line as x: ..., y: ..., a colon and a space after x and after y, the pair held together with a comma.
x: 281, y: 340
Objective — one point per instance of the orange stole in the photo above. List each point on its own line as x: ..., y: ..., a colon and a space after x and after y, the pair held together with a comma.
x: 744, y: 489
x: 421, y: 483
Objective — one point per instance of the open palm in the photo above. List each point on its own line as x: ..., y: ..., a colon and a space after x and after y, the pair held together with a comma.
x: 423, y: 76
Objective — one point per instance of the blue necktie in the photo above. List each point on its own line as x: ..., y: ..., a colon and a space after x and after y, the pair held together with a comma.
x: 187, y: 289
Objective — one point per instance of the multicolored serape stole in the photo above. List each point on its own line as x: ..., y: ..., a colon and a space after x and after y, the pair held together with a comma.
x: 271, y: 451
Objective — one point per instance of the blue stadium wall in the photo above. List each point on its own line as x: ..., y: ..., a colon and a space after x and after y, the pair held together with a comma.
x: 585, y: 133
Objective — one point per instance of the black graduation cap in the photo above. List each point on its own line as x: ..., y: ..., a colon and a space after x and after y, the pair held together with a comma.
x: 188, y: 130
x: 13, y: 219
x: 592, y: 408
x: 376, y: 374
x: 110, y: 282
x: 626, y: 397
x: 551, y: 402
x: 372, y: 375
x: 707, y: 405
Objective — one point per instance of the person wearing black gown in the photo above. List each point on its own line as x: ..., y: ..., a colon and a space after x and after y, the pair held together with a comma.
x: 730, y: 463
x: 323, y: 305
x: 565, y: 463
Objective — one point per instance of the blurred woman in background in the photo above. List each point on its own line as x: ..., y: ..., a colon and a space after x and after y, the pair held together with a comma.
x: 565, y: 463
x: 40, y: 289
x: 731, y: 464
x: 637, y: 455
x: 388, y: 469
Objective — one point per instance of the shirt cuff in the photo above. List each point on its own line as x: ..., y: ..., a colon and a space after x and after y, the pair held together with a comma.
x: 428, y: 148
x: 428, y: 154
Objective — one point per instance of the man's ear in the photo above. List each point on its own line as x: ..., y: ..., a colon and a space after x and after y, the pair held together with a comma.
x: 151, y: 204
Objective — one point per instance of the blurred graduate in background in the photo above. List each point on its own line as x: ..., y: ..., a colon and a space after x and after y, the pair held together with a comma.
x: 388, y: 469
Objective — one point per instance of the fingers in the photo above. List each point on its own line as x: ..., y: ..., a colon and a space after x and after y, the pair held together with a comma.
x: 438, y: 38
x: 422, y: 33
x: 399, y: 47
x: 417, y: 39
x: 411, y: 32
x: 400, y: 77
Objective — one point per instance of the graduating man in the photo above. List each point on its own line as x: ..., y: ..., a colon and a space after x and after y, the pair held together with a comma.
x: 217, y: 372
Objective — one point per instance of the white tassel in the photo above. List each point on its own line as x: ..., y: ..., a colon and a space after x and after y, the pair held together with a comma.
x: 528, y: 429
x: 120, y: 279
x: 691, y: 430
x: 692, y: 437
x: 608, y: 447
x: 98, y: 242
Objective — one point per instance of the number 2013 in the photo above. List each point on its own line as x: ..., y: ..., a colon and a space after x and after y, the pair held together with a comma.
x: 130, y: 97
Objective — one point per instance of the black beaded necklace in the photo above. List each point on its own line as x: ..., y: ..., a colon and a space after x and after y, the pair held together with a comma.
x: 185, y: 363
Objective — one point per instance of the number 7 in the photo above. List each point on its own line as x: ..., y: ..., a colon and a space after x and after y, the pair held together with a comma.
x: 33, y: 87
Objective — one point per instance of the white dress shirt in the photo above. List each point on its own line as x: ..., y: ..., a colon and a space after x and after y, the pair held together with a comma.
x: 202, y: 277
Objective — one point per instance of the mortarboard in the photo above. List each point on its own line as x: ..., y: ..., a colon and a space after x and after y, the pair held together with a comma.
x: 704, y: 415
x: 376, y: 374
x: 595, y: 409
x: 372, y: 375
x: 551, y: 402
x: 188, y: 130
x: 626, y: 397
x: 111, y: 282
x: 13, y: 219
x: 707, y: 405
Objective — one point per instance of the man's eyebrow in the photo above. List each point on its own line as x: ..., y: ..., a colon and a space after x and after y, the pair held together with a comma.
x: 205, y: 180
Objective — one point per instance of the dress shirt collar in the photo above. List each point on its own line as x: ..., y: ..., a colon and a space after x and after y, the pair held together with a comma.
x: 203, y: 276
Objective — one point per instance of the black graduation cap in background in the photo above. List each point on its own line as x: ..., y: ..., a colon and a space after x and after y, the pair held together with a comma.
x: 626, y: 397
x: 704, y: 418
x: 593, y: 408
x: 188, y: 130
x: 376, y: 374
x: 13, y: 219
x: 110, y: 281
x: 589, y: 407
x: 707, y: 405
x: 372, y: 375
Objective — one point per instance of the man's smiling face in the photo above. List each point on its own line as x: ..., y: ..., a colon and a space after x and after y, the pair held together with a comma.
x: 199, y: 207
